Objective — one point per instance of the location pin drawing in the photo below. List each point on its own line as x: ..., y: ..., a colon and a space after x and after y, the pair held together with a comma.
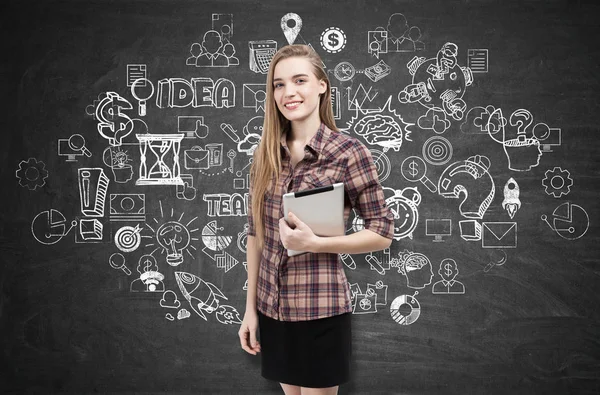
x: 291, y: 32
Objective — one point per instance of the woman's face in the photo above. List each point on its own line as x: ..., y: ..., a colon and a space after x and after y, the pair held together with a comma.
x: 296, y: 88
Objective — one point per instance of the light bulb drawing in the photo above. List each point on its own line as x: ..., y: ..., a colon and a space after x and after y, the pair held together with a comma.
x: 173, y: 236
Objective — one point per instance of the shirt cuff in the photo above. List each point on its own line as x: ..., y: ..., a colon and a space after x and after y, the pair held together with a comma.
x: 382, y: 226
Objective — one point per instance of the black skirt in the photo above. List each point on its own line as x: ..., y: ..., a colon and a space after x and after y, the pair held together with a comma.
x: 313, y: 354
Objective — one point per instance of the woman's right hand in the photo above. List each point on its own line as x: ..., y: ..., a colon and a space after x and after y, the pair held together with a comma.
x: 248, y: 331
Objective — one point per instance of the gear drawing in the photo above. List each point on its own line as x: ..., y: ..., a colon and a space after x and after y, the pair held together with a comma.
x: 32, y: 174
x: 557, y: 182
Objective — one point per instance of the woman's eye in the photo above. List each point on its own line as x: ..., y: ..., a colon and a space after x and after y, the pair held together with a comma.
x: 300, y: 80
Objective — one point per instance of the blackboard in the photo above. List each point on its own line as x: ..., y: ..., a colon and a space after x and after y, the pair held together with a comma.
x: 497, y: 295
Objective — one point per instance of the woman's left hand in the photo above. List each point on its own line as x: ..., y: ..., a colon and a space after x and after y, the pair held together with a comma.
x: 297, y: 235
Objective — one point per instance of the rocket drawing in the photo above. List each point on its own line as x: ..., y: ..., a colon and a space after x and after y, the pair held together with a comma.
x: 511, y: 202
x: 204, y: 298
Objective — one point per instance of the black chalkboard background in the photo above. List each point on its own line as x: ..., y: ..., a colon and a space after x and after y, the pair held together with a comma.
x: 68, y: 321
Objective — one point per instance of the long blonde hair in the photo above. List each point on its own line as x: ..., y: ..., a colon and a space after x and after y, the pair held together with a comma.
x: 266, y: 165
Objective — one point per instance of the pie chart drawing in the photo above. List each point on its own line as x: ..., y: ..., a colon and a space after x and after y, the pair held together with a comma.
x: 49, y: 227
x: 400, y: 315
x: 212, y: 239
x: 570, y: 221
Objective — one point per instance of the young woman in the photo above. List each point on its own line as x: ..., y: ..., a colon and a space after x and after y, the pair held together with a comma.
x: 301, y: 305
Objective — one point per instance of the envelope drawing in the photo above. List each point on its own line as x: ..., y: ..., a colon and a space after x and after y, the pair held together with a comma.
x: 254, y: 96
x: 499, y: 235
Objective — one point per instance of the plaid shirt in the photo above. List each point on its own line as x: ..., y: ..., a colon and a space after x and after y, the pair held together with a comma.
x: 313, y: 285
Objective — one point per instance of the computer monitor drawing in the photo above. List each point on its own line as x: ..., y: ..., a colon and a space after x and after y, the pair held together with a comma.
x: 438, y: 228
x: 192, y: 125
x: 548, y: 137
x: 64, y: 149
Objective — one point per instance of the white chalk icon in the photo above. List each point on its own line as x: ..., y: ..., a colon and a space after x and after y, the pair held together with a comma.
x: 557, y: 182
x: 198, y: 158
x: 192, y: 125
x: 570, y: 221
x: 169, y: 317
x: 511, y: 202
x: 183, y: 314
x: 477, y: 60
x: 434, y: 119
x: 547, y: 136
x: 437, y: 150
x: 116, y: 159
x: 205, y: 298
x: 198, y: 92
x: 113, y: 124
x: 173, y: 236
x: 470, y: 181
x: 93, y: 184
x: 90, y: 230
x: 414, y: 169
x: 169, y: 300
x: 439, y: 82
x: 127, y: 207
x: 223, y: 23
x: 135, y: 72
x: 499, y: 235
x: 479, y: 120
x: 375, y: 264
x: 438, y: 228
x: 415, y: 267
x: 397, y: 36
x: 150, y: 280
x: 252, y: 135
x: 470, y: 230
x: 217, y: 243
x: 380, y: 290
x: 405, y: 309
x: 261, y: 53
x: 361, y: 98
x: 448, y: 285
x: 32, y: 174
x: 522, y: 148
x: 166, y: 169
x: 142, y: 89
x: 186, y: 191
x: 117, y: 261
x: 365, y: 303
x: 72, y: 147
x: 127, y: 238
x: 290, y: 25
x: 382, y: 127
x: 497, y: 258
x: 403, y: 204
x: 216, y: 49
x: 49, y: 227
x: 336, y: 102
x: 345, y: 71
x: 377, y: 42
x: 348, y: 260
x: 254, y: 96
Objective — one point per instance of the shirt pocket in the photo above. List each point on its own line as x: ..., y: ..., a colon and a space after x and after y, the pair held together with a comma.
x: 315, y: 180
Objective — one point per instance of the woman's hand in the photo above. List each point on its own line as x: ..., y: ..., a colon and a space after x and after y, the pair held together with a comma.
x: 297, y: 235
x: 248, y: 331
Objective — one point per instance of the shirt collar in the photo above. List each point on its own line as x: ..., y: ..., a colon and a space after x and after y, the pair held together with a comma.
x: 316, y: 143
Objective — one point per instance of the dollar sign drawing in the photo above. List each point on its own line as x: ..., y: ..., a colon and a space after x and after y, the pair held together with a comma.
x: 113, y: 124
x: 148, y: 265
x: 413, y: 166
x: 448, y: 268
x: 333, y: 39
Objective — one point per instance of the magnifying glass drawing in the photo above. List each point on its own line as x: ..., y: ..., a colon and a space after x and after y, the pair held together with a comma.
x: 414, y: 169
x: 497, y: 257
x: 141, y: 83
x: 117, y: 261
x: 77, y: 143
